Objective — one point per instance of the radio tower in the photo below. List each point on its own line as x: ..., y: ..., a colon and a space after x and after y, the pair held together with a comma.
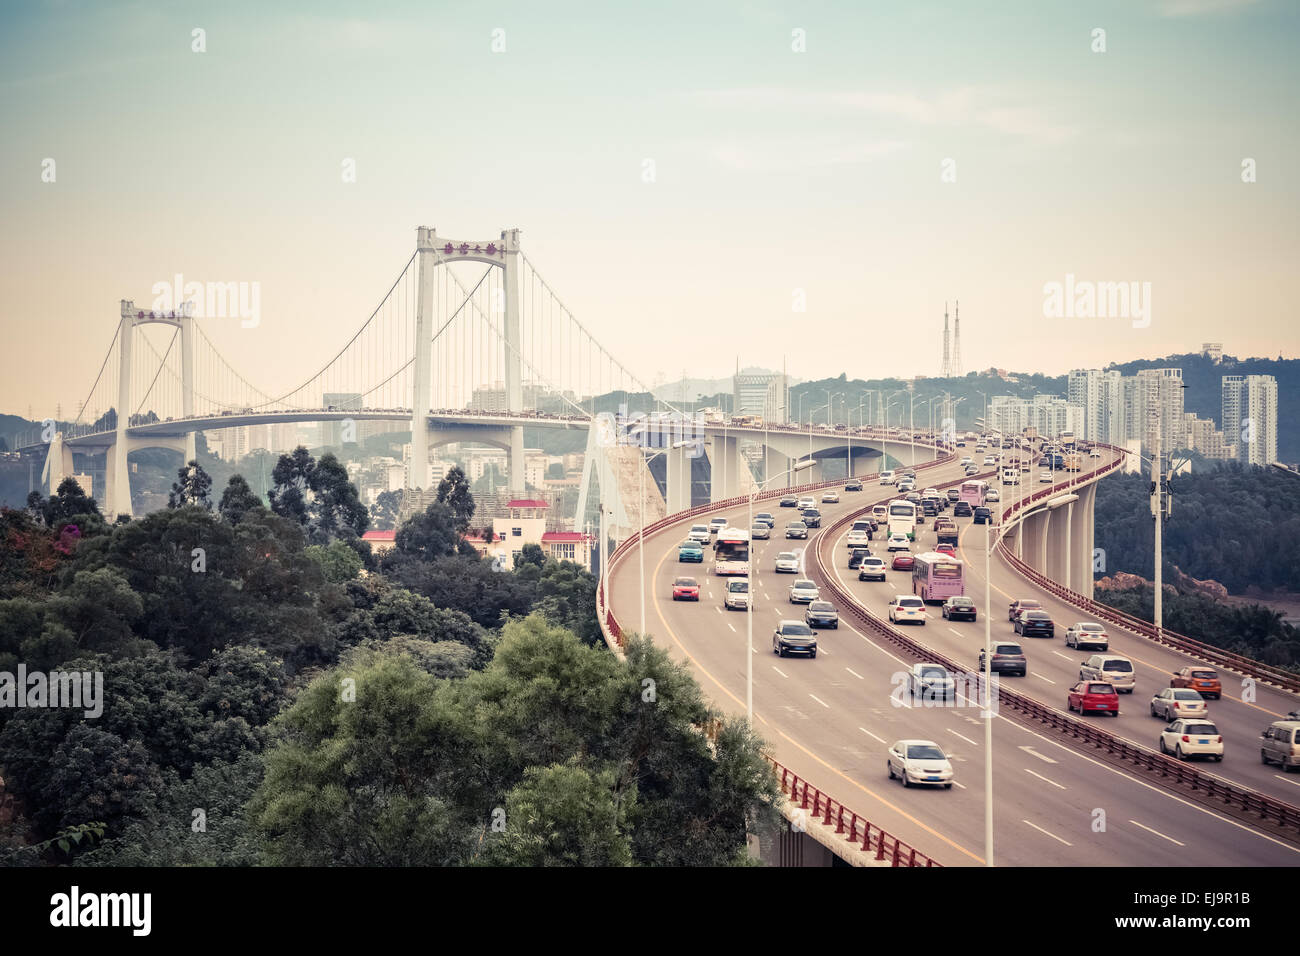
x: 946, y: 370
x: 955, y: 368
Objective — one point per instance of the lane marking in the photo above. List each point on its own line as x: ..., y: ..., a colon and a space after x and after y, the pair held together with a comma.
x: 1287, y: 779
x: 855, y: 673
x: 1046, y: 833
x: 1034, y: 753
x: 967, y: 739
x: 1156, y: 832
x: 1041, y: 677
x: 820, y: 701
x: 1044, y: 779
x: 781, y: 672
x: 870, y: 734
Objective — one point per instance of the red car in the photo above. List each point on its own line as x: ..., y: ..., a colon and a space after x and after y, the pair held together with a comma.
x: 945, y: 549
x: 1202, y: 679
x: 903, y: 561
x: 686, y: 589
x: 1095, y: 696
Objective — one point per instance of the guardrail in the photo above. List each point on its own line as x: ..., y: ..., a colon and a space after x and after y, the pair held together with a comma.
x: 1201, y: 784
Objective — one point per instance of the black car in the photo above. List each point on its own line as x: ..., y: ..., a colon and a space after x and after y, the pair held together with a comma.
x: 856, y: 556
x: 853, y: 486
x: 794, y: 637
x: 929, y: 507
x: 962, y: 509
x: 789, y: 501
x: 959, y: 609
x: 812, y: 517
x: 983, y: 515
x: 822, y: 614
x: 1035, y: 623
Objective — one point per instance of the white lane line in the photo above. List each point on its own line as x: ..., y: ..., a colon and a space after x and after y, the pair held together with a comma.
x: 960, y: 785
x: 955, y: 631
x: 718, y: 608
x: 870, y: 734
x: 967, y: 739
x: 820, y: 701
x: 1041, y: 677
x: 730, y: 625
x: 822, y: 650
x: 1044, y: 779
x: 1156, y: 832
x: 1052, y: 835
x: 781, y: 672
x: 1292, y: 782
x: 855, y: 673
x: 1063, y: 656
x: 1034, y: 753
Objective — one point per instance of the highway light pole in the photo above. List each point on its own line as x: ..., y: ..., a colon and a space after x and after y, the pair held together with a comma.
x: 988, y: 690
x: 753, y: 590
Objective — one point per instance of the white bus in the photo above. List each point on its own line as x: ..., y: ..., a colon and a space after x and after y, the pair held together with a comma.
x: 731, y: 552
x: 902, y: 518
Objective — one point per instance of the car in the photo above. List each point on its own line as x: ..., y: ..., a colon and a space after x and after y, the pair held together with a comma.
x: 690, y: 552
x: 907, y: 485
x: 1118, y: 670
x: 760, y: 531
x: 871, y: 569
x: 962, y: 509
x: 806, y: 503
x: 990, y: 459
x: 906, y: 607
x: 1174, y: 702
x: 1091, y: 695
x: 959, y: 608
x: 764, y: 517
x: 1094, y: 454
x: 992, y: 495
x: 789, y: 501
x: 830, y: 497
x: 853, y: 486
x: 929, y: 507
x: 983, y: 515
x: 1087, y: 634
x: 1008, y: 658
x: 919, y: 762
x: 930, y: 681
x: 887, y: 478
x: 898, y: 542
x: 1023, y: 605
x: 903, y: 561
x: 1189, y: 737
x: 787, y: 562
x: 804, y: 591
x: 857, y: 556
x: 736, y: 597
x: 812, y: 517
x: 966, y: 460
x: 699, y: 532
x: 686, y: 589
x: 972, y: 470
x: 857, y: 538
x: 930, y: 493
x: 1203, y: 680
x: 716, y: 525
x: 1030, y: 623
x: 953, y: 495
x: 796, y: 529
x: 1280, y: 744
x: 794, y: 637
x: 1044, y: 477
x: 822, y: 614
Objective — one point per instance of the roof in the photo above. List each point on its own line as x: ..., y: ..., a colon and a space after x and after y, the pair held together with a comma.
x: 563, y: 536
x: 379, y: 536
x: 526, y: 503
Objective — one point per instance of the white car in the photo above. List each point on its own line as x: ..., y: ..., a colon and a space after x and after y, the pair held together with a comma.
x: 806, y: 503
x: 830, y: 497
x: 965, y: 461
x: 906, y: 484
x: 1174, y: 702
x: 1087, y: 634
x: 898, y: 542
x: 716, y: 525
x: 699, y: 533
x: 919, y: 761
x: 930, y: 493
x: 804, y: 591
x: 906, y: 607
x: 1192, y: 737
x: 992, y: 495
x: 760, y: 530
x: 1044, y: 477
x: 1094, y: 454
x: 990, y: 459
x: 857, y: 539
x: 787, y: 562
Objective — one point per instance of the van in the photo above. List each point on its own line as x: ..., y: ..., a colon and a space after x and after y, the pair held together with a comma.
x: 1118, y: 671
x: 1280, y: 744
x: 886, y: 477
x: 737, y: 596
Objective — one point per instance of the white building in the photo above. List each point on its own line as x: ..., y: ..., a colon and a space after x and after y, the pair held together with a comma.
x: 1101, y: 396
x: 1250, y: 417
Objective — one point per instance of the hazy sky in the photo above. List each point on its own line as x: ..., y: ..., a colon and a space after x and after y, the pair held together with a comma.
x: 774, y: 170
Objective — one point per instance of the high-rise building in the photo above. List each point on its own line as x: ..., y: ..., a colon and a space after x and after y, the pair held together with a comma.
x: 1049, y: 415
x: 1203, y: 437
x: 760, y: 393
x: 1155, y: 395
x: 1250, y: 417
x: 1100, y: 395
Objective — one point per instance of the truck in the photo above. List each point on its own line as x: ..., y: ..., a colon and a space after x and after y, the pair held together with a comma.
x: 1073, y: 461
x: 945, y: 530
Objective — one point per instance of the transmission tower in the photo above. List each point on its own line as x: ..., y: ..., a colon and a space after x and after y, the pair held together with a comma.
x: 945, y: 371
x: 954, y: 370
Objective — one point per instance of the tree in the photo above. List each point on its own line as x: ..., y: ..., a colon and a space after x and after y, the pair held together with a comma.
x: 428, y: 535
x: 383, y: 513
x: 453, y: 491
x: 530, y: 554
x: 237, y: 500
x: 555, y: 471
x: 336, y: 507
x: 193, y: 486
x: 338, y: 562
x: 292, y: 477
x: 68, y: 504
x: 563, y: 815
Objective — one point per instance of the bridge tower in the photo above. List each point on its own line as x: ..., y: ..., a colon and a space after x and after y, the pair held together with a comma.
x: 433, y: 251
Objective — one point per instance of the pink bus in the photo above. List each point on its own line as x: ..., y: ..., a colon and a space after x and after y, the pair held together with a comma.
x: 973, y: 492
x: 937, y: 577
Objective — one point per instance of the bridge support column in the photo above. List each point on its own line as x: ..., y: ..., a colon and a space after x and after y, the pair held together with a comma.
x: 116, y: 499
x: 1081, y: 567
x: 116, y: 475
x: 513, y: 345
x: 58, y: 463
x: 187, y: 382
x: 1055, y: 554
x: 724, y: 467
x: 417, y: 471
x: 679, y: 464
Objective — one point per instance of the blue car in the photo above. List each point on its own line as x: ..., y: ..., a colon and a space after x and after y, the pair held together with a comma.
x: 689, y: 551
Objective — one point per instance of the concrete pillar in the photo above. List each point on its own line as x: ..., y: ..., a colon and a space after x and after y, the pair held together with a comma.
x: 187, y: 383
x: 724, y: 461
x: 117, y: 482
x: 417, y: 472
x: 1058, y: 521
x: 1043, y: 537
x: 115, y: 471
x: 58, y: 463
x: 680, y: 466
x: 513, y: 348
x: 1088, y: 498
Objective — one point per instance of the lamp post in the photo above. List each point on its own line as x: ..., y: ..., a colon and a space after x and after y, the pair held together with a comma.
x: 753, y: 589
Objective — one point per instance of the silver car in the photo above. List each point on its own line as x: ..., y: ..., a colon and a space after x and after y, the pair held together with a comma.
x: 1174, y: 702
x: 787, y: 562
x: 760, y: 531
x: 803, y: 591
x: 931, y: 681
x: 1087, y: 634
x: 1117, y: 670
x: 919, y: 761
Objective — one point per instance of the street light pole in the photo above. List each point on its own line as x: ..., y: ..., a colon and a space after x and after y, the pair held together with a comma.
x: 988, y: 693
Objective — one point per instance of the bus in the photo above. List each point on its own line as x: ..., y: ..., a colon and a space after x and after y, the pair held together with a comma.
x: 731, y: 552
x: 902, y: 518
x: 973, y: 492
x: 937, y: 577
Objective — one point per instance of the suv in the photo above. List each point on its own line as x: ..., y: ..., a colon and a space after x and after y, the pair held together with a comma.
x: 1280, y: 744
x: 1117, y: 670
x: 962, y: 509
x: 1192, y: 737
x: 1008, y: 658
x: 821, y: 614
x: 737, y: 596
x: 794, y: 637
x: 812, y: 517
x: 983, y: 515
x: 872, y: 569
x: 857, y: 556
x: 906, y: 607
x: 1030, y: 623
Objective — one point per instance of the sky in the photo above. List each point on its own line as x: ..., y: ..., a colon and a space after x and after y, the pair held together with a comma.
x: 685, y: 175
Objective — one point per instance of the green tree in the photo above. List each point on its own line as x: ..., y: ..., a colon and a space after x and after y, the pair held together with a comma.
x: 336, y: 508
x: 237, y: 500
x: 384, y: 512
x: 428, y: 535
x: 338, y: 562
x: 292, y: 483
x: 562, y: 816
x: 193, y: 487
x: 453, y: 491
